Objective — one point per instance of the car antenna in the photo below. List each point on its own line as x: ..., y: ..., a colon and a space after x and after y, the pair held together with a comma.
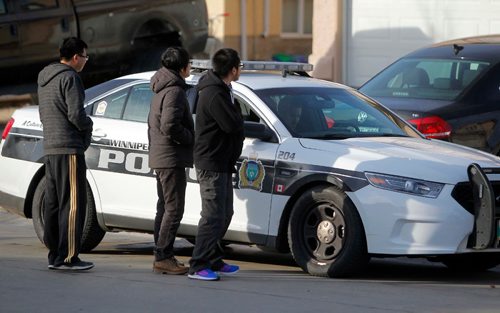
x: 457, y: 48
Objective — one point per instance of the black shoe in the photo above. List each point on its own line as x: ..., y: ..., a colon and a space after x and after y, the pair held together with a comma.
x: 75, y: 266
x: 50, y: 267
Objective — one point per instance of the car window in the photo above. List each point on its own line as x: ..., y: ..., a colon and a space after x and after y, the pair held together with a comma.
x: 112, y: 105
x: 192, y: 96
x: 34, y: 5
x: 489, y: 89
x: 332, y: 113
x: 138, y: 103
x: 96, y: 91
x: 3, y: 8
x: 246, y: 110
x: 438, y: 79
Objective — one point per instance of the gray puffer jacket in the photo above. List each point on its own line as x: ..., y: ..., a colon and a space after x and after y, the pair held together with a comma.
x: 170, y: 122
x: 66, y: 127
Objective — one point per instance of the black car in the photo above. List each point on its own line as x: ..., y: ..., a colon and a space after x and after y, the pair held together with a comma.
x: 449, y: 91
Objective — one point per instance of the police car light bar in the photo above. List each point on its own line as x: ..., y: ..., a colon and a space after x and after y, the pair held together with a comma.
x: 259, y: 66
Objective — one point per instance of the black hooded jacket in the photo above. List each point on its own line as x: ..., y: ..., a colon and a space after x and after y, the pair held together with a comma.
x: 66, y: 127
x: 170, y: 122
x: 219, y: 126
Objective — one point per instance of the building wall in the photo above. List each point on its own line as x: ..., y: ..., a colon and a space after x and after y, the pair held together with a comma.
x: 327, y: 49
x: 225, y: 27
x: 379, y: 32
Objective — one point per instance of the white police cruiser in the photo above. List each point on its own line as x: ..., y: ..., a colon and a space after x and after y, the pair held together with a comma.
x: 325, y: 172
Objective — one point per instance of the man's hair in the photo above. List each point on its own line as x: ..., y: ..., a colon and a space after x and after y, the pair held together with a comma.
x: 175, y: 58
x: 224, y: 61
x: 71, y: 46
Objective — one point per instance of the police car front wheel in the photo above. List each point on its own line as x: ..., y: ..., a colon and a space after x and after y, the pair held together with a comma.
x: 92, y: 233
x: 325, y: 233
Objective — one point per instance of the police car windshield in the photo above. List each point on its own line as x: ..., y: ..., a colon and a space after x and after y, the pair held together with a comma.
x: 332, y: 113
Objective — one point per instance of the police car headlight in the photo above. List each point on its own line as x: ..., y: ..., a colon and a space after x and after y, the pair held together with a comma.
x: 404, y: 184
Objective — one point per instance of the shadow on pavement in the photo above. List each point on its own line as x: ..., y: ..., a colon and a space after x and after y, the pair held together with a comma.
x: 391, y: 270
x: 421, y: 270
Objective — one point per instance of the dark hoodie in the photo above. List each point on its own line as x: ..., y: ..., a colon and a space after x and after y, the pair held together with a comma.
x: 66, y: 127
x: 219, y: 126
x: 170, y: 122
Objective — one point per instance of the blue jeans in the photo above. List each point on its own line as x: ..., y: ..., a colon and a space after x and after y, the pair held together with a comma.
x: 216, y: 189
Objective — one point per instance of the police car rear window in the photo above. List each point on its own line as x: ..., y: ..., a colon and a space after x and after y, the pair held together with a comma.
x: 93, y: 92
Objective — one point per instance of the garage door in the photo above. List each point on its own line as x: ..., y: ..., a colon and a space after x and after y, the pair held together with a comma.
x: 379, y: 32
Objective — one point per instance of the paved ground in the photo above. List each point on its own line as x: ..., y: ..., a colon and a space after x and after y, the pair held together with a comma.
x: 122, y: 282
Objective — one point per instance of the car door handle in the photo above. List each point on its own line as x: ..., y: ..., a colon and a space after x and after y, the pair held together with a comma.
x: 13, y: 30
x: 98, y: 134
x: 65, y: 24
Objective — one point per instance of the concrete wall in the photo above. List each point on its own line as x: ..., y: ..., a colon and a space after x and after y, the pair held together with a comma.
x: 327, y: 44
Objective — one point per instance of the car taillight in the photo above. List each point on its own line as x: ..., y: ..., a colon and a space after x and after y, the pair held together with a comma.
x: 432, y: 127
x: 7, y: 128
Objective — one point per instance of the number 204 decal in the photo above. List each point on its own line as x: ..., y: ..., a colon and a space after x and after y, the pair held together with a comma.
x: 285, y: 155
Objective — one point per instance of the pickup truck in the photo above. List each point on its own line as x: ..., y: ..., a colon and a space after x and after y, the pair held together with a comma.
x: 124, y: 36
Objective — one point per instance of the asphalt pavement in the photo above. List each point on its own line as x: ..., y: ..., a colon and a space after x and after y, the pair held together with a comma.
x: 122, y: 281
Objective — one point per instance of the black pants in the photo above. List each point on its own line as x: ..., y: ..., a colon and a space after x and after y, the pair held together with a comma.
x: 171, y: 189
x: 65, y: 203
x: 216, y: 191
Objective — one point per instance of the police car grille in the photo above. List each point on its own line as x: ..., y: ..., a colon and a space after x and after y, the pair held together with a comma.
x: 463, y: 194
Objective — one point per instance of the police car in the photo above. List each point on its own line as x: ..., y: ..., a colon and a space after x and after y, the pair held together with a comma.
x: 325, y: 173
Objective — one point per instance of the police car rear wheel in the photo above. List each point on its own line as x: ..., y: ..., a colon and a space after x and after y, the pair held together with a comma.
x: 325, y: 233
x: 92, y: 233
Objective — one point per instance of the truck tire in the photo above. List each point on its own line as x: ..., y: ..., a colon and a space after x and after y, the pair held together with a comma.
x: 326, y: 235
x: 92, y: 233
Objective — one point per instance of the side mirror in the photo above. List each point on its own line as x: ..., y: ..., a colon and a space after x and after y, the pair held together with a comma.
x: 259, y: 131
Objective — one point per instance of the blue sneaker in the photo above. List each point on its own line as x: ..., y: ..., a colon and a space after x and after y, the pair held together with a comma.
x: 228, y: 269
x: 205, y: 274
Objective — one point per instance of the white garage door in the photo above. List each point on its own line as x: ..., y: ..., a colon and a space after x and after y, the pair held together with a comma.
x: 379, y: 32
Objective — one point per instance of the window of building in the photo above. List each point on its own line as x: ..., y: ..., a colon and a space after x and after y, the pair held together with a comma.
x: 296, y: 17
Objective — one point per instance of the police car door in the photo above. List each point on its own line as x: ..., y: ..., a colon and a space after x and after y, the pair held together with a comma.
x: 253, y: 183
x: 118, y: 157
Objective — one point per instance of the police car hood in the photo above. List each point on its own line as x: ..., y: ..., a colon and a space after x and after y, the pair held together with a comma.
x: 410, y: 157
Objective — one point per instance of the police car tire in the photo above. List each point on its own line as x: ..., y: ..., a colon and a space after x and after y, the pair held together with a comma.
x: 92, y: 233
x: 474, y: 262
x: 322, y: 201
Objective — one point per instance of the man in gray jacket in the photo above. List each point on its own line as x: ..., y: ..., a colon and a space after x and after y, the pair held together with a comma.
x: 171, y: 137
x: 66, y: 135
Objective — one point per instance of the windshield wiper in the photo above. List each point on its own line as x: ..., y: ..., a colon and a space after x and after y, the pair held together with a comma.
x: 388, y: 135
x: 332, y: 136
x: 354, y: 135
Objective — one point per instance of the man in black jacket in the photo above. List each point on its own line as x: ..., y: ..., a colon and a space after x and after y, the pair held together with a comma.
x: 171, y: 137
x: 218, y: 143
x: 66, y: 135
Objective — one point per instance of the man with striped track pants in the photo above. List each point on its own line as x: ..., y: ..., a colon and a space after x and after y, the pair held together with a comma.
x: 67, y: 132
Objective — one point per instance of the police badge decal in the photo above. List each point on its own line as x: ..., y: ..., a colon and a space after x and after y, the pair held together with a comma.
x: 251, y: 174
